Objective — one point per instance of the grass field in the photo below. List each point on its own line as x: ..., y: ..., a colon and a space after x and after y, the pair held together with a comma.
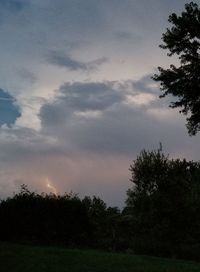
x: 16, y: 258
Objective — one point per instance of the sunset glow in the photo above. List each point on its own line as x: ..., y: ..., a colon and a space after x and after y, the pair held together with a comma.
x: 51, y: 187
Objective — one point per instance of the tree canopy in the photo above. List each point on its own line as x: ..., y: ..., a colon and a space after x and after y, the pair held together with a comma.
x: 183, y: 81
x: 164, y: 203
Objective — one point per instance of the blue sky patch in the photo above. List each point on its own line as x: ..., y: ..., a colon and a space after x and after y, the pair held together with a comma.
x: 9, y: 112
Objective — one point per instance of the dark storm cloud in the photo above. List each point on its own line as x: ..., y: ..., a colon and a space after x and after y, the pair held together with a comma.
x: 9, y: 112
x: 78, y: 97
x: 64, y: 60
x: 90, y: 96
x: 113, y: 117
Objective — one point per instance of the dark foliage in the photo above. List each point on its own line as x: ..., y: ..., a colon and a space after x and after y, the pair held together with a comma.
x: 165, y: 205
x: 29, y: 217
x: 44, y: 219
x: 161, y: 217
x: 183, y: 82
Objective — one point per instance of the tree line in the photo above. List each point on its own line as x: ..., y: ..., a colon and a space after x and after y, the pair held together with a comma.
x: 161, y: 216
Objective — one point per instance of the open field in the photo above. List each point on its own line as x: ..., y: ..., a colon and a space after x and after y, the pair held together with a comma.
x: 17, y: 258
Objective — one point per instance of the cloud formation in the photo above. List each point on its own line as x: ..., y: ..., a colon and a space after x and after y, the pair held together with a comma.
x: 90, y: 132
x: 113, y: 117
x: 63, y: 60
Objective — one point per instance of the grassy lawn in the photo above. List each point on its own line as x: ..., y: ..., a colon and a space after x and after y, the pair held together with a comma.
x: 43, y: 259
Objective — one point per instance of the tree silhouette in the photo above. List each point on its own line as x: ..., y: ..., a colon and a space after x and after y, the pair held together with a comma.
x: 164, y: 204
x: 183, y: 82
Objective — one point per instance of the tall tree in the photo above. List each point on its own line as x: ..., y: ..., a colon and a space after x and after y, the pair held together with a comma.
x: 164, y: 203
x: 183, y: 81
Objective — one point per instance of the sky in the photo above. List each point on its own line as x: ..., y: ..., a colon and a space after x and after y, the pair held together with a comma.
x: 77, y: 102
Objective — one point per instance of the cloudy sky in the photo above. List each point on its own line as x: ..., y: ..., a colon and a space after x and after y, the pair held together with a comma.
x: 77, y: 103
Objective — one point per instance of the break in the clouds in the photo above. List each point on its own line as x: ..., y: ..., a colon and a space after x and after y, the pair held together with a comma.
x: 9, y: 112
x: 81, y: 102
